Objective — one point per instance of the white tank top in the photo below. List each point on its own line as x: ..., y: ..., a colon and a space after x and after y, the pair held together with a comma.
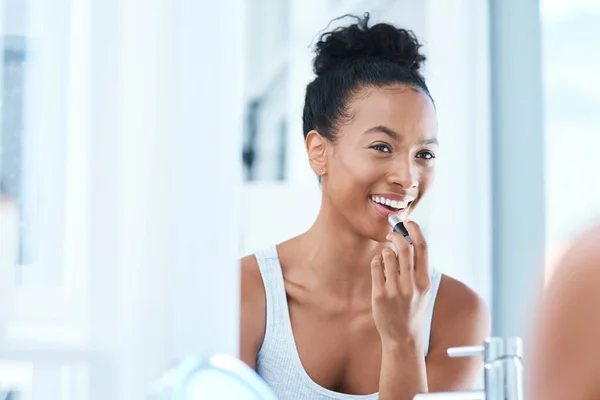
x: 278, y: 362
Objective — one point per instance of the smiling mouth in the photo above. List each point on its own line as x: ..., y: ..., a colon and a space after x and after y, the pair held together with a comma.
x: 391, y: 205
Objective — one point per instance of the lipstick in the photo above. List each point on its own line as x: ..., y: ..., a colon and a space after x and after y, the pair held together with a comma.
x: 398, y: 226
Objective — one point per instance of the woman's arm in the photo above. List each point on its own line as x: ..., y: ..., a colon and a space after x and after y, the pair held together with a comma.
x: 403, y: 372
x: 400, y: 296
x: 460, y: 318
x: 252, y: 311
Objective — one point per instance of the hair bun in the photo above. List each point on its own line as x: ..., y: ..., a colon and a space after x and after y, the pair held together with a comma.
x: 361, y: 41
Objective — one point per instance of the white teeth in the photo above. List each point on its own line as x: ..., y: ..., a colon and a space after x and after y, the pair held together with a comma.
x: 397, y: 204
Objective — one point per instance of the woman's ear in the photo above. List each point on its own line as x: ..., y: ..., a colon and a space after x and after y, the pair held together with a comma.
x: 316, y: 147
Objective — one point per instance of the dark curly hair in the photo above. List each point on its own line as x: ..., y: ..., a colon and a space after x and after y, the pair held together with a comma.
x: 351, y: 58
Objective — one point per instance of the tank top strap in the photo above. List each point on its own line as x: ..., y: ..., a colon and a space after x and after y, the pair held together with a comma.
x: 276, y: 298
x: 435, y: 277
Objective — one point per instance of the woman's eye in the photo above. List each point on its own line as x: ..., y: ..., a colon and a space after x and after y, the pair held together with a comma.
x: 427, y: 155
x: 384, y: 148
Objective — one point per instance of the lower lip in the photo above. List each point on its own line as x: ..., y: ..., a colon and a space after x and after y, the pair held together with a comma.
x: 386, y: 212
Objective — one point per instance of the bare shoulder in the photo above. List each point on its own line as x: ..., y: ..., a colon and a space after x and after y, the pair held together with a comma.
x: 460, y: 316
x: 566, y: 329
x: 577, y: 276
x: 252, y: 310
x: 574, y: 283
x: 583, y: 256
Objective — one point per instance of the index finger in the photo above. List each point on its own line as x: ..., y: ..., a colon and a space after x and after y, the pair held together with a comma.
x: 404, y: 252
x: 421, y: 253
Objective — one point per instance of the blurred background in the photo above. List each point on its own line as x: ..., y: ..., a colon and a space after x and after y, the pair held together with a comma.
x: 146, y: 145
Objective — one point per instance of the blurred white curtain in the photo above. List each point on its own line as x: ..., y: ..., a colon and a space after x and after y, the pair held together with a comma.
x: 152, y: 167
x: 164, y: 273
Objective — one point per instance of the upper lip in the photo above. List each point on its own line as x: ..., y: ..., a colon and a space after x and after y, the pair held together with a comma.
x: 397, y: 197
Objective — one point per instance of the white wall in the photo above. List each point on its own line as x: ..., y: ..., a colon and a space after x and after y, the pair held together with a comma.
x: 457, y: 44
x: 273, y: 212
x: 17, y: 24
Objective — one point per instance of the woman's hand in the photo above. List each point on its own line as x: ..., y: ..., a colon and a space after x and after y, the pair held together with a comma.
x: 401, y: 286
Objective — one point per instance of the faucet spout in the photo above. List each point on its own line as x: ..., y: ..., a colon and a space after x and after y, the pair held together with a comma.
x: 459, y: 395
x: 503, y: 371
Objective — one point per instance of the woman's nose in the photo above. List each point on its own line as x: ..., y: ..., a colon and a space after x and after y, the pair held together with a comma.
x: 404, y: 175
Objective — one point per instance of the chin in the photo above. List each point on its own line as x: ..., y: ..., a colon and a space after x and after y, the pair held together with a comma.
x: 379, y: 231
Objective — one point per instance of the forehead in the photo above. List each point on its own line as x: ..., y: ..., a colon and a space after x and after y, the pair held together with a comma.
x: 403, y: 109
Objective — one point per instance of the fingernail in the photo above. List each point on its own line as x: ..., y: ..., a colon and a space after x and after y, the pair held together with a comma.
x: 389, y: 235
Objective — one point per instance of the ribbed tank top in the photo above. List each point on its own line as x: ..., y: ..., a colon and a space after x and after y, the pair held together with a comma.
x: 278, y: 362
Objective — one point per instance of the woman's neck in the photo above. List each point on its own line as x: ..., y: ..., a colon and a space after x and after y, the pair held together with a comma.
x: 336, y: 256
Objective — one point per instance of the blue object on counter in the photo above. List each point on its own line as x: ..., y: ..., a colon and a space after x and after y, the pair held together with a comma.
x: 219, y: 377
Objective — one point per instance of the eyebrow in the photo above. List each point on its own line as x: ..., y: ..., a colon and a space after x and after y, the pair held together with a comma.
x: 394, y: 135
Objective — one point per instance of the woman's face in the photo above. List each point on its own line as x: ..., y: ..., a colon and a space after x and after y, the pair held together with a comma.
x: 383, y: 158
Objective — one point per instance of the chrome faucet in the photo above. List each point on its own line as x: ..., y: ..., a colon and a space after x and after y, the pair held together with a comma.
x: 503, y: 371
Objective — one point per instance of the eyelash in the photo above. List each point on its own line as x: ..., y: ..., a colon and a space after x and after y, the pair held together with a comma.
x: 429, y: 153
x: 379, y: 147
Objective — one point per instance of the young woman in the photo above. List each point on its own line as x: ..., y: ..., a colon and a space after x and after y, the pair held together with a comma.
x: 335, y: 313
